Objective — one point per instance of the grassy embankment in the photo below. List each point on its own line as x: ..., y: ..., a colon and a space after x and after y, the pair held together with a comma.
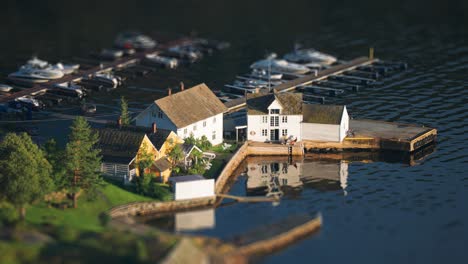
x: 60, y: 235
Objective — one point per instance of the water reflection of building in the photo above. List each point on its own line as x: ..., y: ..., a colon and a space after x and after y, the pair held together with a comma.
x: 269, y: 175
x: 194, y: 220
x: 325, y: 175
x: 264, y: 176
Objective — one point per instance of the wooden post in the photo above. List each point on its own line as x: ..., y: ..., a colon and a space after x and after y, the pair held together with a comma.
x: 371, y: 53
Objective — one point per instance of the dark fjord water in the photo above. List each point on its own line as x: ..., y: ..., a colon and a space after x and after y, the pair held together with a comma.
x: 390, y: 212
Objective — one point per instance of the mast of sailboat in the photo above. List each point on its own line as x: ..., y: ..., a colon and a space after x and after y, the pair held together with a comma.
x: 269, y: 75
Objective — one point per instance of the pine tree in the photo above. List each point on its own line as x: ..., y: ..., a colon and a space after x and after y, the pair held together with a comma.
x: 55, y: 157
x: 25, y: 174
x: 124, y: 112
x: 82, y: 160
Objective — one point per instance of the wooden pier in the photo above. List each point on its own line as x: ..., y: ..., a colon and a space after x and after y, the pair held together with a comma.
x: 101, y: 68
x: 371, y: 134
x: 238, y: 104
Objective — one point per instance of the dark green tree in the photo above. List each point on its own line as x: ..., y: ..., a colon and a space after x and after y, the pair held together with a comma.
x: 124, y: 112
x: 175, y: 155
x: 25, y: 174
x: 144, y: 158
x: 82, y: 160
x: 55, y: 157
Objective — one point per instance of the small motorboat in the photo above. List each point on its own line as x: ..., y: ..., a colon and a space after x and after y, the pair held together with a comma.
x: 88, y: 108
x: 36, y: 75
x: 41, y: 64
x: 29, y: 102
x: 167, y: 62
x: 107, y: 80
x: 134, y: 40
x: 110, y: 54
x: 265, y: 75
x: 70, y: 89
x: 252, y: 83
x: 281, y: 66
x: 186, y: 52
x: 310, y: 56
x: 4, y: 88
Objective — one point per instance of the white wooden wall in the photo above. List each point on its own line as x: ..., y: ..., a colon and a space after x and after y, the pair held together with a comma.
x: 321, y: 132
x: 255, y: 124
x: 194, y: 189
x: 210, y: 126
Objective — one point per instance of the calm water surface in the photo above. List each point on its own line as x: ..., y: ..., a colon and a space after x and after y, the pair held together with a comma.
x: 388, y: 212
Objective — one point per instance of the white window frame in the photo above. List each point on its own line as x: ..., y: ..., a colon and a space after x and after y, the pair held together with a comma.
x: 213, y: 136
x: 274, y: 121
x: 265, y: 119
x: 194, y: 127
x: 284, y: 132
x: 284, y: 119
x: 274, y: 111
x: 204, y: 123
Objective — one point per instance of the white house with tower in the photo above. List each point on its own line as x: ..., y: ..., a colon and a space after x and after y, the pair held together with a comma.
x: 194, y: 111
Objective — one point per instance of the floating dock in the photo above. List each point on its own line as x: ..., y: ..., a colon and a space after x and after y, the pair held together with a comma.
x: 371, y: 134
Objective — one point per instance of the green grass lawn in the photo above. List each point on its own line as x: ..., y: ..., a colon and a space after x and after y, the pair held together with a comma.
x: 86, y: 216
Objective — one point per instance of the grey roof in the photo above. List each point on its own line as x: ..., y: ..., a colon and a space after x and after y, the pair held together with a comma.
x: 257, y: 104
x: 186, y: 178
x: 122, y: 144
x: 162, y: 164
x: 187, y: 148
x: 323, y: 114
x: 191, y: 105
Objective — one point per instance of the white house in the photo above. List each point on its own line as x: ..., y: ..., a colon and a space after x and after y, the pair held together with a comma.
x: 325, y: 122
x: 195, y: 111
x: 274, y: 116
x: 279, y: 116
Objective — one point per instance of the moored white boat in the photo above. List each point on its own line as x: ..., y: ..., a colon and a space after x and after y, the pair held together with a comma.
x: 4, y: 88
x: 167, y: 62
x: 42, y: 64
x: 264, y: 74
x: 310, y: 56
x: 36, y: 75
x: 281, y: 66
x: 134, y: 40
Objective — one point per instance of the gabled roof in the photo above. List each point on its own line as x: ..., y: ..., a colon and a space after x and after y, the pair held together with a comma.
x: 191, y: 105
x: 162, y: 164
x: 187, y: 148
x: 323, y: 114
x: 257, y: 104
x: 122, y: 144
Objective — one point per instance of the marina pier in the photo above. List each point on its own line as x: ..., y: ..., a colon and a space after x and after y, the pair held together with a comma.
x: 103, y: 67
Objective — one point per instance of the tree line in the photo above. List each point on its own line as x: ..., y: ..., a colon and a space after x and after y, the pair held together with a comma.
x: 29, y: 171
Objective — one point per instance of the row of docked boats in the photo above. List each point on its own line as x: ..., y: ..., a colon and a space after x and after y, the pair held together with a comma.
x: 271, y: 71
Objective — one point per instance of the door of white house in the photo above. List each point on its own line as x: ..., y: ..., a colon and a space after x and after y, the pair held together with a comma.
x: 274, y: 134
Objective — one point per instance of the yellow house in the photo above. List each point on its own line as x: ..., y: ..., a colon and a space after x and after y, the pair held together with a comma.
x: 126, y: 149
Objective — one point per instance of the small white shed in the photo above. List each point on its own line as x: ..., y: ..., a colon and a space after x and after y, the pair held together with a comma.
x: 192, y: 187
x: 325, y: 122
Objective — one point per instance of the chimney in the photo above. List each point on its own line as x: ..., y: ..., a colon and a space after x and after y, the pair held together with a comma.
x: 153, y: 128
x: 182, y: 86
x: 119, y: 122
x: 169, y: 91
